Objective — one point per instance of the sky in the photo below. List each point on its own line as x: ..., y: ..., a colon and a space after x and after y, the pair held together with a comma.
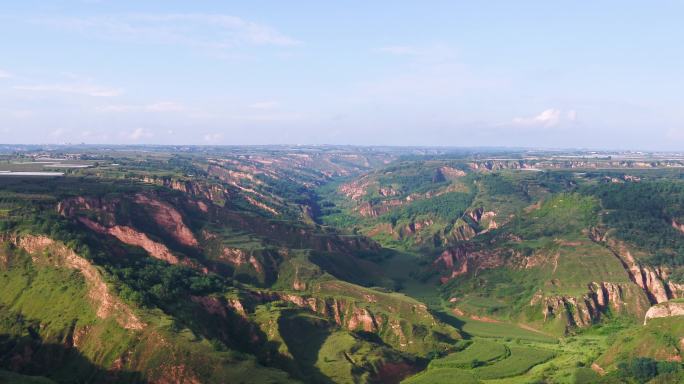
x: 553, y: 74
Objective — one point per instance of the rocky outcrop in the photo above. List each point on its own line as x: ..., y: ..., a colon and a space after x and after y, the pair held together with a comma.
x: 666, y: 309
x: 357, y: 189
x: 411, y: 229
x: 238, y: 257
x: 678, y: 226
x: 645, y: 277
x: 452, y: 173
x: 362, y: 318
x: 574, y: 312
x: 197, y: 190
x: 130, y: 236
x: 44, y: 250
x: 368, y: 209
x: 460, y: 260
x: 652, y: 280
x: 462, y: 231
x: 367, y: 314
x: 105, y: 209
x: 163, y: 214
x: 600, y: 299
x: 261, y: 205
x: 499, y: 164
x: 496, y: 165
x: 474, y: 222
x: 387, y: 192
x: 168, y: 218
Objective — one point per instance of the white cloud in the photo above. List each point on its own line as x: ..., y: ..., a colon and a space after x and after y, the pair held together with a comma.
x: 5, y: 74
x: 59, y: 132
x: 548, y: 118
x: 165, y: 106
x: 161, y: 106
x: 675, y: 134
x: 213, y: 137
x: 264, y: 105
x: 188, y: 29
x: 16, y: 113
x: 79, y: 89
x: 138, y: 134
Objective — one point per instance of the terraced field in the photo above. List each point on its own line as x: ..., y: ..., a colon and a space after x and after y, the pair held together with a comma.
x: 480, y: 352
x: 520, y: 360
x: 443, y: 376
x: 503, y: 330
x: 485, y: 360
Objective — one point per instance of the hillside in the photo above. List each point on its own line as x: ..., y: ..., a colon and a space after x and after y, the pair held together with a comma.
x: 338, y: 265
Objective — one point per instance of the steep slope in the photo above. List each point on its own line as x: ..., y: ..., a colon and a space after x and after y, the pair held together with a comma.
x: 222, y: 292
x: 67, y: 324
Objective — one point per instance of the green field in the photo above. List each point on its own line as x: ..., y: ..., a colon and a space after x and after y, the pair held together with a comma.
x: 443, y: 376
x: 480, y: 352
x: 485, y: 360
x: 521, y: 360
x: 503, y: 330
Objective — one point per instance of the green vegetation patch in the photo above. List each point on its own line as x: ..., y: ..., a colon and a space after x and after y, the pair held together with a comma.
x: 480, y: 352
x: 521, y: 360
x: 443, y: 376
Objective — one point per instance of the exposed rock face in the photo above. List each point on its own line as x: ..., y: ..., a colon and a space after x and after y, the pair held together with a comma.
x: 452, y: 173
x: 411, y: 229
x: 245, y: 179
x: 163, y: 214
x: 475, y: 222
x: 666, y: 309
x: 460, y: 260
x: 677, y: 225
x: 357, y: 315
x: 130, y: 236
x: 168, y: 218
x: 374, y: 210
x: 106, y: 209
x: 653, y: 281
x: 177, y: 374
x: 454, y: 260
x: 463, y: 232
x: 107, y: 305
x: 261, y: 205
x: 644, y: 277
x: 357, y: 189
x: 387, y: 191
x: 238, y: 257
x: 211, y: 192
x: 583, y: 311
x: 495, y: 165
x: 363, y: 318
x: 589, y: 308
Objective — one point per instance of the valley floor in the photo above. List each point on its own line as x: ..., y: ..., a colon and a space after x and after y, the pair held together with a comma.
x: 517, y: 354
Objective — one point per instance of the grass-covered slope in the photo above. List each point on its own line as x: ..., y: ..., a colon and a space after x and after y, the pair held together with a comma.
x: 197, y: 290
x: 336, y: 265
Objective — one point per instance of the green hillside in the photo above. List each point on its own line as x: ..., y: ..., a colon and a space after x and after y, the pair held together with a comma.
x: 339, y: 265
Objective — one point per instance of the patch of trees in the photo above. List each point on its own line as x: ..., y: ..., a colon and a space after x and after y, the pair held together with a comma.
x: 644, y: 369
x: 642, y: 214
x: 155, y: 283
x: 449, y: 206
x: 413, y: 179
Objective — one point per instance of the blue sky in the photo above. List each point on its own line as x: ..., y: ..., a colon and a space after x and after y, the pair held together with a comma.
x: 600, y: 74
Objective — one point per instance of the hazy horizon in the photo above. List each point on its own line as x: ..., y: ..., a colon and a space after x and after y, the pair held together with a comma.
x: 528, y: 74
